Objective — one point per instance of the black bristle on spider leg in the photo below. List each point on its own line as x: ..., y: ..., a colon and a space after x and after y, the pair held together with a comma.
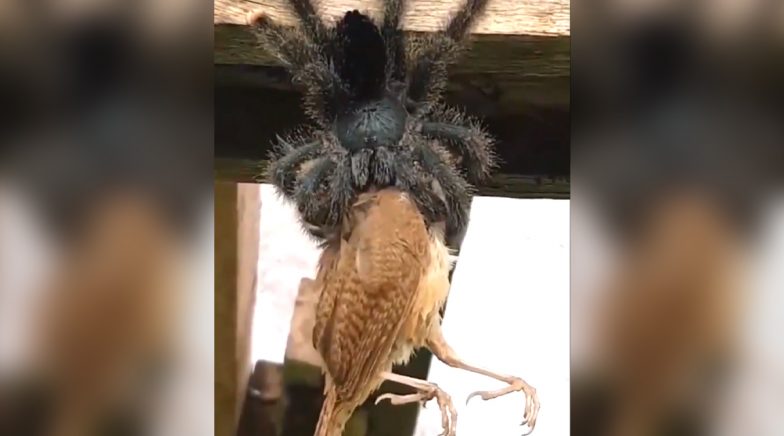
x: 282, y: 147
x: 461, y: 22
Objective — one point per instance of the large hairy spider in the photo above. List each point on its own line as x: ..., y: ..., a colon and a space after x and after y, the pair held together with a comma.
x: 375, y: 98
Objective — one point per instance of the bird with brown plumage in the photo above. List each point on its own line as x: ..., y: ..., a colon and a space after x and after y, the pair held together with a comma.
x: 381, y: 177
x: 382, y: 284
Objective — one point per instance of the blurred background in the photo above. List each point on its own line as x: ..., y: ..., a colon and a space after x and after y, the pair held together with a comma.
x: 106, y: 215
x: 677, y: 158
x: 105, y: 218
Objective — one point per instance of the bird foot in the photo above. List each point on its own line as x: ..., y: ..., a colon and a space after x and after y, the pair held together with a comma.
x: 427, y: 392
x: 516, y: 385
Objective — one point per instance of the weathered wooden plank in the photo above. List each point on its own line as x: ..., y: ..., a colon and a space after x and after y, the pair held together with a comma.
x: 521, y: 70
x: 236, y: 249
x: 521, y: 48
x: 500, y: 185
x: 544, y: 55
x: 506, y: 17
x: 528, y: 142
x: 225, y: 305
x: 248, y: 217
x: 517, y: 71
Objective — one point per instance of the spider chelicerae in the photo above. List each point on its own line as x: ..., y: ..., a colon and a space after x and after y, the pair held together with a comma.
x: 375, y: 98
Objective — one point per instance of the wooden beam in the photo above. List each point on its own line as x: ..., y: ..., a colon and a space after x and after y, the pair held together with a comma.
x: 500, y: 185
x: 507, y: 17
x: 519, y: 47
x: 247, y: 120
x: 237, y: 211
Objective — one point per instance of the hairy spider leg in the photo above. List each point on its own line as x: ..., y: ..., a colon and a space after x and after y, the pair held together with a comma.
x: 309, y: 195
x: 308, y: 63
x: 471, y: 143
x: 456, y: 192
x: 428, y: 74
x: 314, y: 26
x: 283, y: 171
x: 342, y: 192
x: 394, y: 40
x: 461, y: 22
x: 408, y: 177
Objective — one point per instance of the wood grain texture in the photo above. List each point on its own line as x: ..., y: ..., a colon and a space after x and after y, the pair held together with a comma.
x: 503, y: 17
x: 236, y: 249
x: 249, y: 210
x: 516, y: 71
x: 520, y: 47
x: 225, y: 308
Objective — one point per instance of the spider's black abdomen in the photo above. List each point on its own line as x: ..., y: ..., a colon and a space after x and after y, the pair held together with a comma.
x: 373, y: 124
x: 361, y: 56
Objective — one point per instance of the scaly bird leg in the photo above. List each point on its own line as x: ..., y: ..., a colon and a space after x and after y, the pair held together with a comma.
x: 426, y: 391
x: 446, y: 354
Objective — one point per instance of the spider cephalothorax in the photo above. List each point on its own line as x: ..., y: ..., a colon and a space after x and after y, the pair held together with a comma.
x: 376, y: 101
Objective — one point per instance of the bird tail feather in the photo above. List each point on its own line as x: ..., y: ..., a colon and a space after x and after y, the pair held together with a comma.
x: 334, y: 415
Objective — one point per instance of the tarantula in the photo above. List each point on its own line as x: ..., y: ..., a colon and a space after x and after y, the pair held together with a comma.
x: 375, y: 97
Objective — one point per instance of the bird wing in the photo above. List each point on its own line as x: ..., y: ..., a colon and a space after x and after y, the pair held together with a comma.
x: 368, y: 289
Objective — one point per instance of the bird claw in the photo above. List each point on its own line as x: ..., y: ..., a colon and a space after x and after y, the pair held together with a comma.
x: 448, y: 412
x: 396, y: 400
x: 383, y: 397
x: 475, y: 394
x: 531, y: 402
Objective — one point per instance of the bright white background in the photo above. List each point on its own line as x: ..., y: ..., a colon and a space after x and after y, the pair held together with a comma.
x: 286, y: 255
x: 508, y: 311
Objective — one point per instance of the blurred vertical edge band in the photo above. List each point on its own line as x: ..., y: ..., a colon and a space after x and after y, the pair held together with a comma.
x: 106, y: 159
x: 104, y: 93
x: 677, y: 162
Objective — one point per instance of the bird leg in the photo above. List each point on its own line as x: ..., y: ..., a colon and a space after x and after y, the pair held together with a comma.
x: 426, y: 391
x: 446, y: 354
